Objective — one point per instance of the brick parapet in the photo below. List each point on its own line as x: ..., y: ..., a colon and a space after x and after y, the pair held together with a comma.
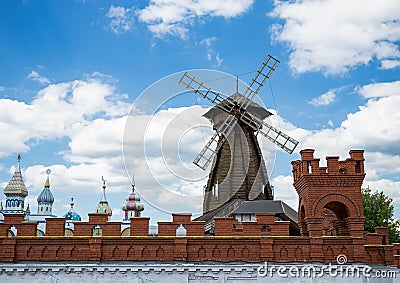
x: 264, y: 226
x: 224, y: 249
x: 193, y: 228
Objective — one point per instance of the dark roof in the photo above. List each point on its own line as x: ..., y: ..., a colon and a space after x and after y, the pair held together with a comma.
x: 266, y: 206
x: 253, y: 108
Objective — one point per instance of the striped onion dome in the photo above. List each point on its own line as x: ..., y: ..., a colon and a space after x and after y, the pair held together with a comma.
x: 46, y: 196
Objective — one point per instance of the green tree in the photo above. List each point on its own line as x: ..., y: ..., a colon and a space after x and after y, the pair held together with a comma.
x: 379, y: 211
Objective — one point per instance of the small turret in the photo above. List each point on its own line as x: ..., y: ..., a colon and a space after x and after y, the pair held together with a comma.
x: 16, y: 191
x: 45, y: 199
x: 71, y: 215
x: 133, y: 206
x: 103, y: 206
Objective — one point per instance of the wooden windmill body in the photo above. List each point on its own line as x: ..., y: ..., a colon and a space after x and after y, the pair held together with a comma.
x: 238, y: 169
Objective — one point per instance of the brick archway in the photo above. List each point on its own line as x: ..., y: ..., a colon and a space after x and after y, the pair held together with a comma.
x: 332, y: 202
x: 301, y: 218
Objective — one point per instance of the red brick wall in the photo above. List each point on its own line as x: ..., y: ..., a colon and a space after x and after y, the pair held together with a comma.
x: 254, y: 249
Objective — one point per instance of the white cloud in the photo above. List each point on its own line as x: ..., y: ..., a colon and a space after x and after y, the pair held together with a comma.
x: 284, y: 190
x: 42, y: 119
x: 218, y: 59
x: 117, y: 212
x: 122, y: 19
x: 38, y: 78
x: 333, y: 36
x: 379, y: 89
x: 172, y: 17
x: 208, y: 41
x: 211, y: 54
x: 374, y: 127
x: 324, y: 99
x: 390, y: 64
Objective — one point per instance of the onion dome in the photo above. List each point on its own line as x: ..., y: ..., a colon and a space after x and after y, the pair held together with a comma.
x: 133, y: 206
x: 103, y: 206
x: 16, y: 186
x: 71, y: 214
x: 46, y: 196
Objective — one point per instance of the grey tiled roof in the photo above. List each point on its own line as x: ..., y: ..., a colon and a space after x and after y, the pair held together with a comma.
x: 16, y: 186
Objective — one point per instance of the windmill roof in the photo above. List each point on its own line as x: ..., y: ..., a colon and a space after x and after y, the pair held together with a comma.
x: 253, y: 108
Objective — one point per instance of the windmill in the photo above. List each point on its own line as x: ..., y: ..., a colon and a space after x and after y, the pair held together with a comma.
x: 238, y: 169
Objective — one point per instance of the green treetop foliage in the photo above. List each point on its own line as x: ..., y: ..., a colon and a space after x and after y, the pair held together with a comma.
x: 379, y: 211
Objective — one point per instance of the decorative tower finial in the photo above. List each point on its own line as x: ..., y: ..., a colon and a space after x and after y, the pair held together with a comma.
x: 104, y: 187
x: 47, y: 184
x: 19, y: 157
x: 72, y: 203
x: 103, y: 206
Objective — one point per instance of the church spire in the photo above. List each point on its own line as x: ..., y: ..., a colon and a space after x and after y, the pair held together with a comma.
x: 45, y: 199
x: 16, y: 191
x: 103, y: 206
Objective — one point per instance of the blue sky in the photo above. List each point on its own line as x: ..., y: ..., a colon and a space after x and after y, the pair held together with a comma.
x: 72, y: 70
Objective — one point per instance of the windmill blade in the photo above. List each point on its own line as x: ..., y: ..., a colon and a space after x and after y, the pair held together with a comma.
x: 227, y: 104
x: 278, y: 137
x: 190, y: 82
x: 204, y: 158
x: 269, y: 64
x: 206, y: 155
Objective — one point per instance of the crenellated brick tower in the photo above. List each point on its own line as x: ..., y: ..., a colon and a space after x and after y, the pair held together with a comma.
x: 330, y: 200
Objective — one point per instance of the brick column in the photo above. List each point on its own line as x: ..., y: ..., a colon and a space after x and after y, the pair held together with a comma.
x: 139, y: 226
x: 7, y: 250
x: 356, y: 227
x: 314, y: 226
x: 359, y: 254
x: 389, y: 257
x: 266, y: 251
x: 316, y: 251
x: 55, y: 227
x: 180, y: 249
x: 95, y: 248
